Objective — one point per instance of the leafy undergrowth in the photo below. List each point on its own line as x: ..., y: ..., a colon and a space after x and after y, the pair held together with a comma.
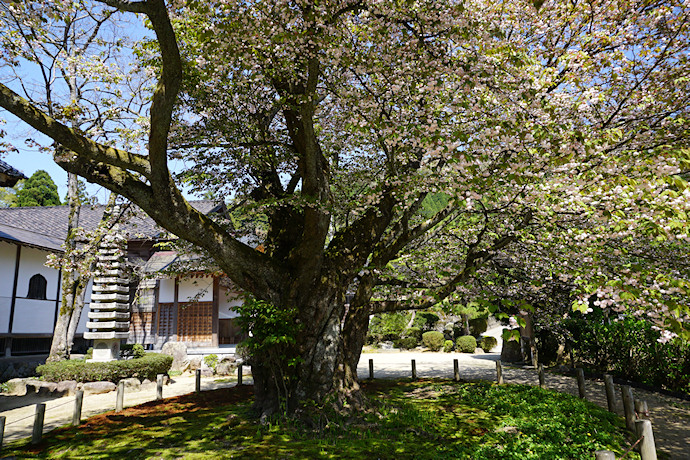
x: 422, y: 419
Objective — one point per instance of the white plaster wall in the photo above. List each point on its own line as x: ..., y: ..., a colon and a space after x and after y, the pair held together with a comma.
x: 166, y: 294
x: 227, y: 301
x: 5, y: 305
x: 191, y: 287
x: 8, y: 254
x: 33, y: 316
x: 33, y: 262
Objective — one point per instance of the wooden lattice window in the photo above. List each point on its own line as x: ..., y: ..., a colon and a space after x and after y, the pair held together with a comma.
x: 195, y: 322
x: 166, y: 320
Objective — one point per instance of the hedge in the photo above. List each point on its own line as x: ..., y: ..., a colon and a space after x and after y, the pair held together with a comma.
x: 147, y: 367
x: 433, y: 340
x: 466, y: 344
x: 488, y: 343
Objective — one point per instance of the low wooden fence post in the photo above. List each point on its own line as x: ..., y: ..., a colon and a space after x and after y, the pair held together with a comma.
x: 37, y: 434
x: 456, y: 370
x: 159, y: 386
x: 78, y: 401
x: 628, y: 407
x: 239, y: 375
x: 197, y: 385
x: 643, y: 429
x: 580, y: 382
x: 499, y: 373
x: 371, y: 369
x: 2, y: 429
x: 414, y: 370
x: 641, y: 408
x: 610, y: 393
x: 540, y: 372
x: 120, y: 398
x: 604, y: 455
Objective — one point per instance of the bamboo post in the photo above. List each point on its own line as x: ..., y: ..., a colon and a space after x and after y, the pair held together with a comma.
x: 641, y: 408
x: 371, y: 369
x: 78, y: 401
x: 499, y: 373
x: 120, y: 399
x: 604, y: 455
x: 198, y: 381
x: 414, y: 370
x: 239, y: 375
x: 580, y: 382
x: 456, y: 370
x: 628, y: 407
x: 37, y: 434
x: 610, y: 394
x: 159, y: 386
x: 540, y: 372
x: 2, y: 429
x: 647, y: 447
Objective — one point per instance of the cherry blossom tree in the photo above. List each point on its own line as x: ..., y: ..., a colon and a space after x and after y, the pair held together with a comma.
x: 558, y: 125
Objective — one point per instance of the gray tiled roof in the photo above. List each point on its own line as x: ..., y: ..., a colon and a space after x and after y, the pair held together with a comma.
x: 46, y: 226
x: 8, y: 175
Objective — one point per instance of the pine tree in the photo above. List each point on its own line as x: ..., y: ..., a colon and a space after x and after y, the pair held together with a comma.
x: 38, y: 190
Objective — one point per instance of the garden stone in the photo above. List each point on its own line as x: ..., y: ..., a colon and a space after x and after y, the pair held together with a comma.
x: 67, y: 387
x: 225, y: 368
x: 132, y: 384
x: 178, y: 350
x: 511, y: 352
x: 16, y: 387
x: 388, y: 345
x: 206, y: 372
x: 195, y: 363
x: 94, y: 388
x: 8, y: 373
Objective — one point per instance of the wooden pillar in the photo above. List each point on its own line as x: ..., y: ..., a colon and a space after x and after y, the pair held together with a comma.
x: 610, y: 394
x: 643, y: 428
x: 628, y: 407
x: 540, y: 372
x: 214, y: 311
x: 176, y: 308
x: 14, y: 291
x: 580, y: 382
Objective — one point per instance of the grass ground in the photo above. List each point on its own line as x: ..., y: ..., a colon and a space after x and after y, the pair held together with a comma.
x: 426, y: 419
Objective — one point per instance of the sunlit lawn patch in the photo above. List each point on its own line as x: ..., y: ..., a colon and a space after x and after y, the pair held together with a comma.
x: 423, y: 419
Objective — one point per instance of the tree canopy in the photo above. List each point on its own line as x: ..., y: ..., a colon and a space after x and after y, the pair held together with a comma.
x: 38, y: 190
x: 401, y: 152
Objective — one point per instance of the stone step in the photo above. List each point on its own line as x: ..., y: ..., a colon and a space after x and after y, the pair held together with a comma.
x: 108, y: 298
x: 106, y: 335
x: 109, y: 315
x: 101, y: 325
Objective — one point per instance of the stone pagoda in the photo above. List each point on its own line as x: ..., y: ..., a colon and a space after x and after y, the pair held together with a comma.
x: 109, y: 310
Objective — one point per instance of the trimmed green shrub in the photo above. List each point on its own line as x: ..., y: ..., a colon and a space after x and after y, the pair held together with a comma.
x: 433, y: 340
x: 129, y: 350
x: 211, y: 361
x: 146, y: 367
x: 406, y: 343
x: 478, y: 326
x: 466, y: 344
x: 387, y: 326
x: 488, y: 343
x: 448, y: 346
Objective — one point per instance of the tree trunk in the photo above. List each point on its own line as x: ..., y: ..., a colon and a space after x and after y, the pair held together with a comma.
x: 61, y: 344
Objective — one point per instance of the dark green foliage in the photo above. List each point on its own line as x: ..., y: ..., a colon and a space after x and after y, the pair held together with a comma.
x: 628, y: 347
x: 488, y: 343
x: 478, y: 326
x: 425, y: 320
x: 448, y: 346
x: 387, y: 326
x: 38, y: 190
x: 147, y: 367
x: 466, y: 344
x: 414, y: 332
x: 129, y: 350
x: 406, y: 343
x: 433, y: 340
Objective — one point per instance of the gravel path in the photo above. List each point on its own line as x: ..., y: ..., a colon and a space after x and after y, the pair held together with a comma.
x: 670, y: 417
